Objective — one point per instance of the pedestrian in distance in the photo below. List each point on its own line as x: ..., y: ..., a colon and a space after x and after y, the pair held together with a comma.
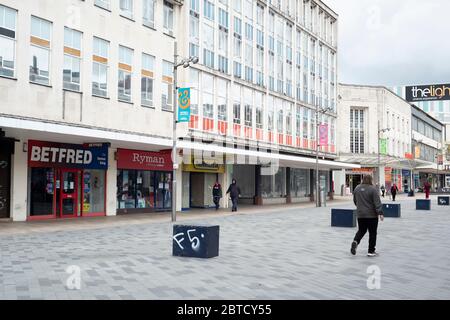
x: 369, y: 209
x: 234, y: 192
x: 394, y: 190
x: 427, y: 189
x: 217, y: 194
x: 383, y: 190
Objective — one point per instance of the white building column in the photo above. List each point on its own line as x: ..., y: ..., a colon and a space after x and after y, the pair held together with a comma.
x: 382, y: 176
x: 111, y: 187
x: 19, y: 185
x: 339, y: 181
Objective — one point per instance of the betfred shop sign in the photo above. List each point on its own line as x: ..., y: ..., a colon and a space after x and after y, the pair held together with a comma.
x: 62, y: 155
x: 144, y: 160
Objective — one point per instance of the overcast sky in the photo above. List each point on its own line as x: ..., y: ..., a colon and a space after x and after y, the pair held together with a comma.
x: 393, y: 42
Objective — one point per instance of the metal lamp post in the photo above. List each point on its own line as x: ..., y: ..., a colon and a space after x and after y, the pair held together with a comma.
x: 185, y: 63
x: 318, y: 111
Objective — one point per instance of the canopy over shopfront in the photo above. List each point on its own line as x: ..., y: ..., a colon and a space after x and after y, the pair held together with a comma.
x: 259, y: 157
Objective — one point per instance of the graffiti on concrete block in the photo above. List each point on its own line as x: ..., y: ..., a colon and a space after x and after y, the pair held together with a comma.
x: 194, y: 241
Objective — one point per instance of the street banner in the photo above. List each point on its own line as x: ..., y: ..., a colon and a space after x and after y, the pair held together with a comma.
x: 383, y: 146
x: 184, y: 104
x: 323, y: 135
x: 440, y: 160
x: 417, y: 152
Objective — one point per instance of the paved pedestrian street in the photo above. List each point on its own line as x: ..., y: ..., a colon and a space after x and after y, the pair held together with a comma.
x: 288, y: 253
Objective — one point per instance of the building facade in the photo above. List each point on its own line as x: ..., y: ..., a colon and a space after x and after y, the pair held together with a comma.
x: 374, y: 131
x: 265, y: 67
x: 87, y: 103
x: 428, y: 141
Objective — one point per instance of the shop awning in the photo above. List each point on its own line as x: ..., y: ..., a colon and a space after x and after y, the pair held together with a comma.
x: 260, y: 157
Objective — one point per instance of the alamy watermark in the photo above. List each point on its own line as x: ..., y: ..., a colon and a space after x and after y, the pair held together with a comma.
x: 374, y: 279
x: 73, y: 282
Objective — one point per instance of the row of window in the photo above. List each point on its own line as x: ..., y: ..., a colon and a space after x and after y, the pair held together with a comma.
x: 40, y: 61
x: 210, y: 98
x: 127, y: 9
x: 243, y: 65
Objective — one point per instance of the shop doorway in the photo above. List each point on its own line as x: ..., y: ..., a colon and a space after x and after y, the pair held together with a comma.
x: 201, y: 185
x: 67, y: 193
x: 5, y: 181
x: 163, y: 193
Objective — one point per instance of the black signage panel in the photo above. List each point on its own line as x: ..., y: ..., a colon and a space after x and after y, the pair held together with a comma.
x: 433, y: 92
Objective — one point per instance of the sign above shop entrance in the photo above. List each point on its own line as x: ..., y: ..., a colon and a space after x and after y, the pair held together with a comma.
x: 144, y: 160
x: 63, y: 155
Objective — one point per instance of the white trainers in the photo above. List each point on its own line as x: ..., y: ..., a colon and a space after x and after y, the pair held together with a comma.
x: 372, y: 254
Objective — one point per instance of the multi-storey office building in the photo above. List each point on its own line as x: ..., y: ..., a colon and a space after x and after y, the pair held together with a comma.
x: 265, y: 66
x: 83, y: 83
x: 86, y: 110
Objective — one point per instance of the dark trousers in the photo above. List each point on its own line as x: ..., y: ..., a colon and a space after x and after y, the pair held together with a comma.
x: 370, y: 224
x: 382, y: 194
x: 217, y: 202
x: 234, y: 200
x: 393, y: 196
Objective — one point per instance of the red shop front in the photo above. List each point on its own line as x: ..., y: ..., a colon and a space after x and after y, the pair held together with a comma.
x: 66, y: 180
x: 144, y: 181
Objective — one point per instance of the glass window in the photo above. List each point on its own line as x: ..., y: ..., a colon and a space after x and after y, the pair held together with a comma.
x: 147, y: 80
x: 223, y: 18
x: 94, y: 186
x: 40, y: 51
x: 274, y: 186
x: 148, y: 12
x: 100, y: 68
x: 126, y: 8
x: 193, y: 78
x: 103, y: 3
x: 300, y: 183
x: 72, y: 59
x: 168, y: 17
x: 125, y: 74
x: 7, y: 41
x: 237, y: 5
x: 248, y: 9
x: 236, y: 93
x: 208, y: 9
x: 167, y: 86
x: 41, y: 191
x: 195, y: 5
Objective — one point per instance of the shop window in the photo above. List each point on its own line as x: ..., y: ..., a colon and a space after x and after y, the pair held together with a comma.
x: 300, y: 183
x: 41, y: 192
x: 274, y: 186
x: 137, y: 189
x: 93, y: 191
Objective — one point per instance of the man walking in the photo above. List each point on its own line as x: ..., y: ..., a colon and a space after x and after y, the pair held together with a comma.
x: 234, y: 192
x: 217, y: 194
x: 394, y: 190
x: 383, y: 190
x: 369, y: 209
x: 427, y: 188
